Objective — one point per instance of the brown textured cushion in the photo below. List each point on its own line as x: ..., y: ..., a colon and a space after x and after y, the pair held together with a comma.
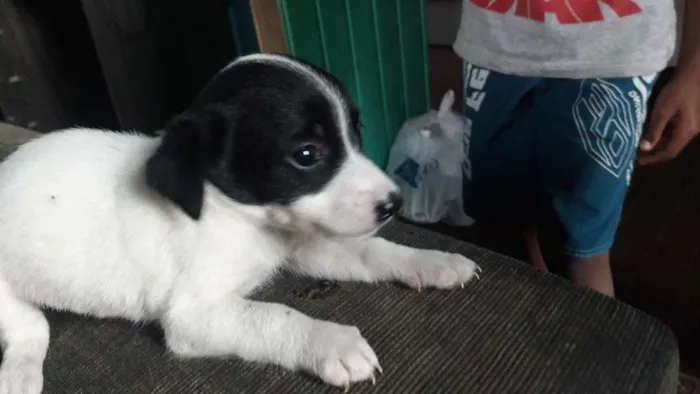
x: 514, y: 331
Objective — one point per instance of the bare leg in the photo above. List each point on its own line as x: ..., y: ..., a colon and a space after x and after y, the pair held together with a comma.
x: 546, y: 253
x: 532, y: 244
x: 593, y: 272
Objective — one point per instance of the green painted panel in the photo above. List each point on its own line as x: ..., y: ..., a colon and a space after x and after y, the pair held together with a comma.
x: 302, y: 30
x: 366, y: 61
x: 242, y: 27
x: 337, y: 47
x: 415, y: 54
x: 376, y: 48
x: 390, y: 65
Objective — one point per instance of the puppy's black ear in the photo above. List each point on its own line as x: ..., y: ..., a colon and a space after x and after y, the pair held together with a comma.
x: 177, y: 170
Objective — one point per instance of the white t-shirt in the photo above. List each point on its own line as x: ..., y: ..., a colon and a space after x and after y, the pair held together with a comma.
x: 568, y: 38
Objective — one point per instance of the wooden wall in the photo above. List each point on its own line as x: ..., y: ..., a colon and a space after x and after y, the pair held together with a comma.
x: 50, y: 75
x: 130, y: 64
x: 157, y: 54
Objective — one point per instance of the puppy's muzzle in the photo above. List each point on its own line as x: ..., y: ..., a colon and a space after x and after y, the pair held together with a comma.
x: 388, y: 208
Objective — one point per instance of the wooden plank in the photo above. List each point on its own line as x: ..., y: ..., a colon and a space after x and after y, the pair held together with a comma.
x: 129, y: 61
x: 157, y: 55
x: 268, y: 26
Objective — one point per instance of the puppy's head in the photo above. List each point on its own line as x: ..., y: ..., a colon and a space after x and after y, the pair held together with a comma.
x: 272, y: 132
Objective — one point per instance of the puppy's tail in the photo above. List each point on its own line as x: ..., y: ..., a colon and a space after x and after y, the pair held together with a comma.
x: 24, y: 338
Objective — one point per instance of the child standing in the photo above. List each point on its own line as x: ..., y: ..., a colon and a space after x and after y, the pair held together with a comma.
x: 555, y: 95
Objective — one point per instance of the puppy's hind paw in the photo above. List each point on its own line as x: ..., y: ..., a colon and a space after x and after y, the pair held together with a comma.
x: 21, y: 379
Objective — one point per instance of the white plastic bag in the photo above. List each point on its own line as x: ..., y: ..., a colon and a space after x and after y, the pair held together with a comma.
x: 425, y: 161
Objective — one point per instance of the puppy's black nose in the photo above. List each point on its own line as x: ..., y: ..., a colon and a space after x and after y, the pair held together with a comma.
x: 389, y: 207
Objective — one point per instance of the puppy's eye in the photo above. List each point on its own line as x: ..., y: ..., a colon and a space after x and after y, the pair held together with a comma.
x: 307, y: 156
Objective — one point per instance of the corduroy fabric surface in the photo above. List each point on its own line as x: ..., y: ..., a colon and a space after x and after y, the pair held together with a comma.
x: 516, y: 330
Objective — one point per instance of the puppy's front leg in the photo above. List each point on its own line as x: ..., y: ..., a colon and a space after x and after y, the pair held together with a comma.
x: 267, y: 332
x: 376, y: 259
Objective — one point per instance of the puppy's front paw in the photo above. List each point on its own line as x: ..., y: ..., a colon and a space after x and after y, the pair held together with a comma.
x: 339, y: 355
x: 433, y: 268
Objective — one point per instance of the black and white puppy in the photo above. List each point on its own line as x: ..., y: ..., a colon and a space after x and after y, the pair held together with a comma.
x: 263, y: 171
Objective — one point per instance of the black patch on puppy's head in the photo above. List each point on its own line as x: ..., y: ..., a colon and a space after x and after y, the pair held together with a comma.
x: 261, y: 132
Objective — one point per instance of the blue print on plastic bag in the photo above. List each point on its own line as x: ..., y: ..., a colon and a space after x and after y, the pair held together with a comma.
x: 411, y: 172
x: 408, y: 172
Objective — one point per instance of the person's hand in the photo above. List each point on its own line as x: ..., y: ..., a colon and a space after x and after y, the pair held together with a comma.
x: 674, y: 121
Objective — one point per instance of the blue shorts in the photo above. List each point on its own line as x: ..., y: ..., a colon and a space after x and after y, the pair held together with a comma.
x: 562, y: 150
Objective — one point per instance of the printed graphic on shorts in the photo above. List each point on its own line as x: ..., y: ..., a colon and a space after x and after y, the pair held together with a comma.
x: 609, y: 122
x: 563, y: 11
x: 644, y: 84
x: 474, y: 81
x: 474, y: 95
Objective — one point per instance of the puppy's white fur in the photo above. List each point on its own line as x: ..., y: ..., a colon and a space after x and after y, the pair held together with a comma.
x: 81, y: 231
